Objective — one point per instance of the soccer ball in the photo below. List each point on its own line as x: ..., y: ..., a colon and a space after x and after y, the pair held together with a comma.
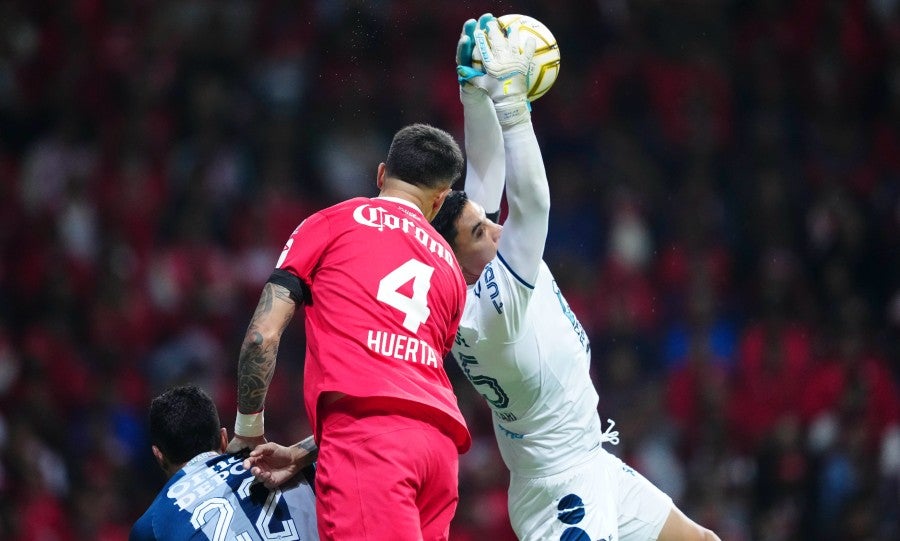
x: 544, y: 65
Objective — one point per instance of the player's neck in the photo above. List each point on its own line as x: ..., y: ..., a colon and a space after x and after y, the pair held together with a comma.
x: 470, y: 277
x: 172, y: 469
x: 410, y: 195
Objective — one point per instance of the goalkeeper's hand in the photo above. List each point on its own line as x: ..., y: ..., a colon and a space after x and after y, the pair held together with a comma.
x: 507, y: 64
x: 471, y: 80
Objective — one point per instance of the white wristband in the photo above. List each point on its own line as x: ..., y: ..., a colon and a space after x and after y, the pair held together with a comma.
x: 249, y: 425
x: 512, y: 113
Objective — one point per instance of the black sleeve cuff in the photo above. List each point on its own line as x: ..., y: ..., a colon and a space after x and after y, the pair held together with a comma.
x: 298, y: 290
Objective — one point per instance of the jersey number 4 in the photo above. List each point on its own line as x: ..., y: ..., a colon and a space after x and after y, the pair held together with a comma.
x: 415, y: 308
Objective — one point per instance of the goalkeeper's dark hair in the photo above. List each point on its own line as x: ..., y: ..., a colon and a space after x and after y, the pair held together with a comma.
x: 445, y: 220
x: 425, y: 156
x: 184, y: 422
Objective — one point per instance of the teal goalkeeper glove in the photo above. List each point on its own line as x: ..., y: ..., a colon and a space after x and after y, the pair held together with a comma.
x: 465, y: 73
x: 507, y: 64
x: 464, y: 48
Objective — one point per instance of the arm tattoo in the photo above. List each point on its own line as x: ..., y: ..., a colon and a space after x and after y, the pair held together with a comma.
x: 256, y: 363
x: 255, y: 369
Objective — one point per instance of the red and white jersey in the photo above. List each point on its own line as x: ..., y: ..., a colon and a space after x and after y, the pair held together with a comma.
x: 387, y: 297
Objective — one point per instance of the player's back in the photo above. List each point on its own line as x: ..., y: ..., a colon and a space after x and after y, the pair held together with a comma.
x: 384, y: 269
x: 387, y: 294
x: 213, y: 497
x: 527, y: 354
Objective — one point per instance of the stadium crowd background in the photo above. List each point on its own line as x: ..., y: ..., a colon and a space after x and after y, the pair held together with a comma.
x: 725, y: 222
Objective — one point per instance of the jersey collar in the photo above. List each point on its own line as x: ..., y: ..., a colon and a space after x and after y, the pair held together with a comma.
x: 202, y: 457
x: 402, y: 202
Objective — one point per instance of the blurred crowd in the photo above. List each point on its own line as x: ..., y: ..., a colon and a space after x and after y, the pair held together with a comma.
x: 725, y: 177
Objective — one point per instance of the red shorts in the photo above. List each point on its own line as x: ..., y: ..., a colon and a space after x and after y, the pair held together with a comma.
x: 383, y: 475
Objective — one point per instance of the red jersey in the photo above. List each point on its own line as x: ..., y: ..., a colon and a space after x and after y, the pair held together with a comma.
x: 387, y: 297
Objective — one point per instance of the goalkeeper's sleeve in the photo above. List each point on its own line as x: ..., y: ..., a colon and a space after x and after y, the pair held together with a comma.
x: 485, y: 157
x: 528, y: 197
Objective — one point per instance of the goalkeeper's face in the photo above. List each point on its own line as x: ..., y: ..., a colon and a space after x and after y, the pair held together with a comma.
x: 476, y: 240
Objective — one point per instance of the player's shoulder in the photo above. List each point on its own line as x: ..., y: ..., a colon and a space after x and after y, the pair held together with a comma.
x: 325, y: 221
x: 353, y: 202
x: 499, y: 273
x: 499, y: 293
x: 365, y: 211
x: 142, y: 530
x: 337, y: 208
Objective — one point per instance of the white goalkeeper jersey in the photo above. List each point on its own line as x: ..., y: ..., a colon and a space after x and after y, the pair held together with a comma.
x: 525, y: 351
x: 518, y: 341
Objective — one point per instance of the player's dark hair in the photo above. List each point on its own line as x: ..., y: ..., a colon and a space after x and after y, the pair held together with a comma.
x: 425, y: 156
x: 184, y: 422
x: 445, y: 220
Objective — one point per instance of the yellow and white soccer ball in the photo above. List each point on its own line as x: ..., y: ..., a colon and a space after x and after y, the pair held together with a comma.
x: 544, y: 65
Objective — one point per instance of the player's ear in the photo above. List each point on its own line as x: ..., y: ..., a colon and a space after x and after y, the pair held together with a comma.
x: 441, y: 197
x: 160, y: 458
x: 382, y: 168
x: 223, y: 439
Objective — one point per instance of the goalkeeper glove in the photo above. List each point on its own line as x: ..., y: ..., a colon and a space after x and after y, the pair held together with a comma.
x: 464, y: 48
x: 508, y: 68
x: 465, y: 73
x: 479, y: 109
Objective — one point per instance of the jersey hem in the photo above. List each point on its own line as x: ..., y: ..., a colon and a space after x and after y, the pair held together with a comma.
x: 550, y: 471
x: 452, y: 427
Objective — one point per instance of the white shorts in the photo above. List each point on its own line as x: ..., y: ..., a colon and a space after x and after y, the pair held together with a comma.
x: 601, y: 499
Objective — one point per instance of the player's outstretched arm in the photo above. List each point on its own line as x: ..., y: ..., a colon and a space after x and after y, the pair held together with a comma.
x: 275, y: 464
x: 485, y: 160
x: 528, y: 198
x: 256, y: 364
x: 527, y: 191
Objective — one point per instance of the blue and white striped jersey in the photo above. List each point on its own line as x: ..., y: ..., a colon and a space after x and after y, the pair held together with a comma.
x: 214, y: 498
